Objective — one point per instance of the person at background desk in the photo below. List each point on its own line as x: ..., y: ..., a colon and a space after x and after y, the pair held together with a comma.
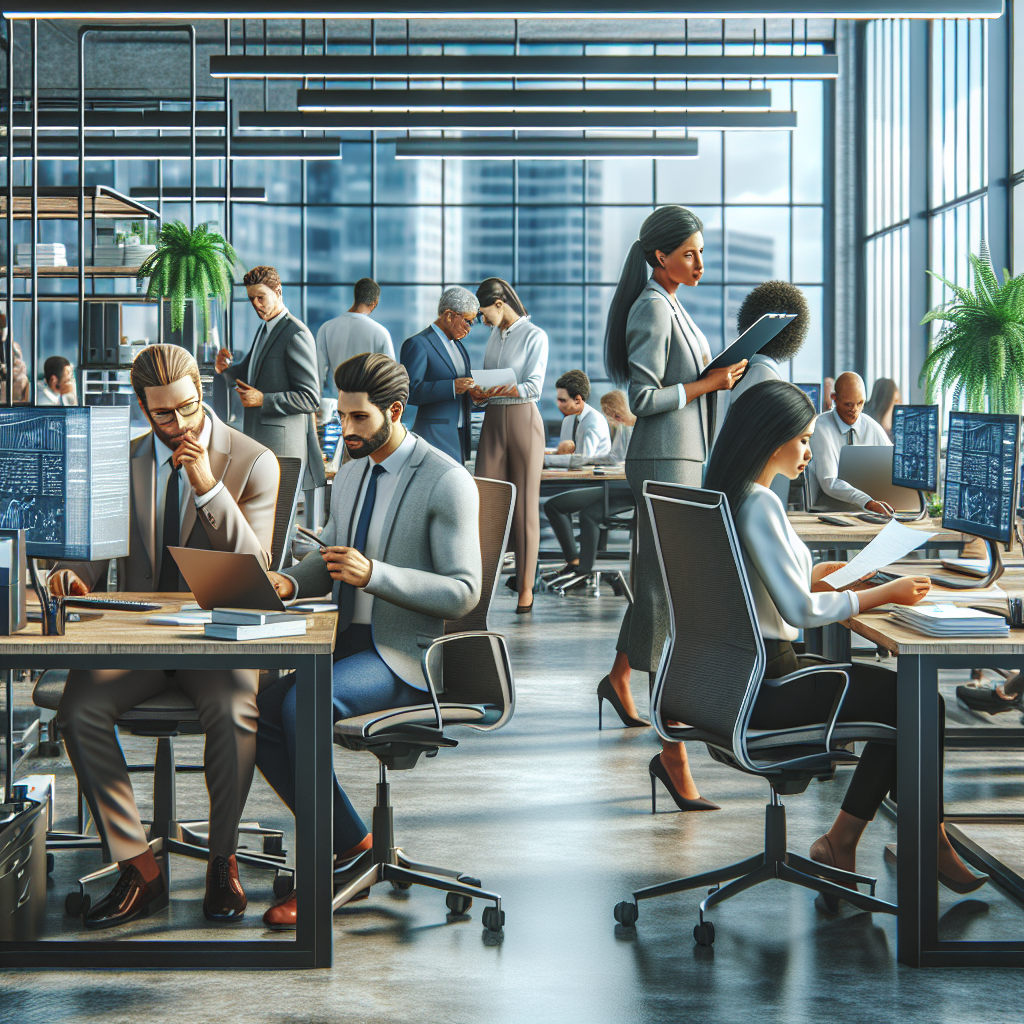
x: 845, y: 424
x: 197, y: 483
x: 653, y: 343
x: 59, y: 387
x: 828, y: 385
x: 277, y: 381
x: 512, y: 436
x: 770, y: 430
x: 400, y: 555
x: 885, y: 396
x: 440, y: 376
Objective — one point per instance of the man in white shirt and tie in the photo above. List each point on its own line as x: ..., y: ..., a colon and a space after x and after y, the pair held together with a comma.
x: 59, y: 389
x: 350, y: 334
x: 584, y: 430
x: 844, y: 424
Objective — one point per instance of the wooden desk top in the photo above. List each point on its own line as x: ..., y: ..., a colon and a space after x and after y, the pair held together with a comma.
x: 877, y: 627
x: 586, y: 475
x: 122, y: 632
x: 812, y: 531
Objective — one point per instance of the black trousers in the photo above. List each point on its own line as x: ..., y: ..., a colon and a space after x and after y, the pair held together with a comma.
x: 589, y: 503
x: 870, y: 698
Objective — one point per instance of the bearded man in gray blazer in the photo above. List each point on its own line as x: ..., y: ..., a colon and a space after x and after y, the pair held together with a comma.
x: 277, y: 382
x: 400, y: 554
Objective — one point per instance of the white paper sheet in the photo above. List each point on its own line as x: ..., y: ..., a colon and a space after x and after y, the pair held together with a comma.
x: 891, y: 544
x: 493, y: 378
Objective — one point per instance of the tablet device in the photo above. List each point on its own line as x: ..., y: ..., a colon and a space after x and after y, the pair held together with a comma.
x: 751, y: 341
x: 227, y: 579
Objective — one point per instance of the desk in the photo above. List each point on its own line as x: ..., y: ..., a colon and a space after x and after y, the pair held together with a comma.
x: 821, y: 537
x: 123, y: 639
x: 919, y: 661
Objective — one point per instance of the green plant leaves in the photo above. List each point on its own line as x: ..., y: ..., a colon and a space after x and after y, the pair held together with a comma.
x: 979, y: 352
x: 189, y: 265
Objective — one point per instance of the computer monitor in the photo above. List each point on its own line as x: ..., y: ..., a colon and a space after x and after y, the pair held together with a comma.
x: 65, y: 479
x: 915, y: 440
x: 813, y: 392
x: 982, y: 462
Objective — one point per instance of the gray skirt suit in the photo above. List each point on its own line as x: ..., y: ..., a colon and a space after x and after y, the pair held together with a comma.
x: 665, y: 349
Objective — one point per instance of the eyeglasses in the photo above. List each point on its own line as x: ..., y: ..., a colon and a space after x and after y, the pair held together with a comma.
x: 187, y: 411
x: 468, y: 322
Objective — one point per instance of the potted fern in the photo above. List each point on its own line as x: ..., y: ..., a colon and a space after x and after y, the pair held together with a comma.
x: 194, y: 265
x: 979, y: 352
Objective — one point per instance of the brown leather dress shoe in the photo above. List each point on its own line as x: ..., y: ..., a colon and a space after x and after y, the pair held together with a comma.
x: 225, y: 898
x: 131, y: 897
x: 281, y: 914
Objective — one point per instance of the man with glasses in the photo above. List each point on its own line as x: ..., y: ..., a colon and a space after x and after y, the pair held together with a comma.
x: 197, y: 483
x: 439, y: 374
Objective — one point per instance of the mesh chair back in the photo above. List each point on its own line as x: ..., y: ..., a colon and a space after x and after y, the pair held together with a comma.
x: 284, y: 512
x: 714, y: 657
x: 476, y: 670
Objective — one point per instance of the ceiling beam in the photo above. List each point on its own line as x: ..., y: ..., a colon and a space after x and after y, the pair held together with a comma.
x: 545, y: 149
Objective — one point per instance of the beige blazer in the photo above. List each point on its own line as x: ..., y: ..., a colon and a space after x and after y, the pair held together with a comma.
x: 240, y: 518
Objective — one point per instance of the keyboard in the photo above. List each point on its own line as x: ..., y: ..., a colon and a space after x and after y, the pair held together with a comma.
x: 834, y: 521
x: 900, y: 517
x: 114, y: 604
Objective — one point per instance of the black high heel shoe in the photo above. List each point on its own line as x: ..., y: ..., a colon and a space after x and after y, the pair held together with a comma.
x: 606, y: 692
x: 524, y: 609
x: 657, y: 770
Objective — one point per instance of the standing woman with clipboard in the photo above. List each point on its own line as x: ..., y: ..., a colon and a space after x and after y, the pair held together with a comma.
x: 653, y: 345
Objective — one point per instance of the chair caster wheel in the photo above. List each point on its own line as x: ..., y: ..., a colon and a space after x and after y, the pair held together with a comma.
x: 77, y: 905
x: 493, y: 919
x: 457, y: 903
x: 51, y: 863
x: 401, y: 886
x: 470, y: 880
x: 284, y: 882
x: 273, y: 846
x: 626, y: 913
x: 704, y: 933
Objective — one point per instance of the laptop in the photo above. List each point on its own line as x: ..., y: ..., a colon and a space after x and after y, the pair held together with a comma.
x: 227, y: 579
x: 869, y: 468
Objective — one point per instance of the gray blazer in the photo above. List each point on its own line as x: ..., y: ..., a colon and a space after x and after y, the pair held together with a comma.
x: 286, y: 373
x: 429, y: 569
x: 664, y: 352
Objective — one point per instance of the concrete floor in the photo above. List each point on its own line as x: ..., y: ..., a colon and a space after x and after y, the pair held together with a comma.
x: 556, y: 817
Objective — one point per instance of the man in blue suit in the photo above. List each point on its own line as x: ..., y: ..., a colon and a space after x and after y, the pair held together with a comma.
x: 439, y: 374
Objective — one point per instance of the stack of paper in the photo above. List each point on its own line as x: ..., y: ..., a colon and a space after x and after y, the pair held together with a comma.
x: 51, y: 255
x: 947, y: 620
x: 244, y: 624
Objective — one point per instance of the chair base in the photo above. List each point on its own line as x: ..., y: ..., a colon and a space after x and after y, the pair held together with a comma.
x: 591, y: 581
x: 384, y: 862
x: 775, y: 862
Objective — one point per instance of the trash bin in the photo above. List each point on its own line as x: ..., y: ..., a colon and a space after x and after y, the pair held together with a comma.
x: 22, y: 870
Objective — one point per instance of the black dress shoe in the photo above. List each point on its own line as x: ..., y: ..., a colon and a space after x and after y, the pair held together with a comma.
x: 984, y: 698
x: 225, y: 898
x: 130, y: 898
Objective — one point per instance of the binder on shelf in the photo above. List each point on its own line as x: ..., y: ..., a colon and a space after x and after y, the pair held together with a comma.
x: 101, y: 333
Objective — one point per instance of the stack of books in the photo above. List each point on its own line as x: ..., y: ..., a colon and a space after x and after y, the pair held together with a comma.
x: 107, y: 254
x: 946, y: 620
x: 245, y: 624
x: 52, y: 255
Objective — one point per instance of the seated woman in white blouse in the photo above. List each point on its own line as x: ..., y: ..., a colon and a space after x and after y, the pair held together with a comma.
x: 767, y: 432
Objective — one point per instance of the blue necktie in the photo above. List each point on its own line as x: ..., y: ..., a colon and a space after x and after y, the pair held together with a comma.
x: 347, y: 592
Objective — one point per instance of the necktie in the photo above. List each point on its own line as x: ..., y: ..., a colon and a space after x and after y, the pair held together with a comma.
x: 849, y: 436
x: 347, y: 592
x: 170, y: 580
x: 575, y: 427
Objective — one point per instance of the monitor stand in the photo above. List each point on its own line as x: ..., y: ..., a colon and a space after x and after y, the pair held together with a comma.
x: 985, y: 577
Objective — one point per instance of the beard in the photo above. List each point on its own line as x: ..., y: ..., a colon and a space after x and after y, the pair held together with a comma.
x: 173, y: 440
x: 368, y: 445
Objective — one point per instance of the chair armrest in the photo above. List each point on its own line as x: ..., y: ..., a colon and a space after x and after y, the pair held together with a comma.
x: 450, y: 638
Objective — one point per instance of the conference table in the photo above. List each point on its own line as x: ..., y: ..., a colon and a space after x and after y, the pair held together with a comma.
x: 125, y: 640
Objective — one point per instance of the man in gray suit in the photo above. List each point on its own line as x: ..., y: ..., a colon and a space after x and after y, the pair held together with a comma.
x: 400, y: 554
x: 277, y: 381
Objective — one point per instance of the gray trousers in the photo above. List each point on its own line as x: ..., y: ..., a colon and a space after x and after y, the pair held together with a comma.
x: 589, y: 503
x: 645, y: 624
x: 226, y: 706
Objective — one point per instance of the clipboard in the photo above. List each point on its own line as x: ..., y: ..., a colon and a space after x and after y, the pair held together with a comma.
x: 751, y: 341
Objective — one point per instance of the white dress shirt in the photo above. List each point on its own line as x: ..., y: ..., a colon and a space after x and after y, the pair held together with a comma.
x: 261, y: 338
x: 346, y: 336
x: 185, y: 490
x: 523, y: 348
x: 47, y: 397
x: 759, y: 369
x: 457, y: 361
x: 686, y: 323
x: 829, y: 437
x: 778, y: 567
x: 362, y: 611
x: 592, y: 435
x: 620, y: 443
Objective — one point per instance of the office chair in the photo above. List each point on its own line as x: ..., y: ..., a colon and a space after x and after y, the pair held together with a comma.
x: 710, y: 675
x: 616, y: 578
x: 469, y: 682
x: 165, y: 717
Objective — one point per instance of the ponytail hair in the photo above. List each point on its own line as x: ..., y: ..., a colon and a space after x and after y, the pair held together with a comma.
x: 665, y: 229
x: 495, y: 288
